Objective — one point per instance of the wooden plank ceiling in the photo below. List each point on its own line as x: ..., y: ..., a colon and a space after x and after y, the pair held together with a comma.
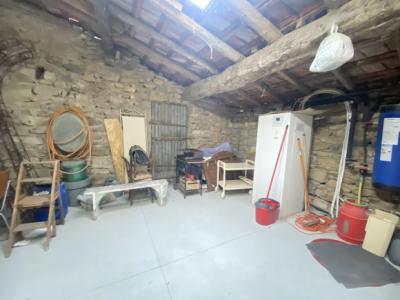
x: 187, y: 45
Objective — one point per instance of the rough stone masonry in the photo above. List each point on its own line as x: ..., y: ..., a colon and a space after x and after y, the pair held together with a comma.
x: 328, y: 135
x: 78, y: 73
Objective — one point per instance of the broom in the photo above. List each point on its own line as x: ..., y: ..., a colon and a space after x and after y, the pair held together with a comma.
x: 309, y: 221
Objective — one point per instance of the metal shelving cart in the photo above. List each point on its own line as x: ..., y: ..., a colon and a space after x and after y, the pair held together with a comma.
x: 242, y: 183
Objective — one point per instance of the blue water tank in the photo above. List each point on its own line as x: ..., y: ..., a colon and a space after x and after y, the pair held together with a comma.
x: 386, y: 173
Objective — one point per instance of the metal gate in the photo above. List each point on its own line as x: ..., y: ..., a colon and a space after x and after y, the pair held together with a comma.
x: 168, y: 136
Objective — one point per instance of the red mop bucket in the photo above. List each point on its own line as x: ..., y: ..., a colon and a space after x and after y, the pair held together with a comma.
x: 267, y: 211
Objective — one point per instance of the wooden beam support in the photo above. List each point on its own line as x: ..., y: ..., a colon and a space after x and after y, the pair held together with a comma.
x: 248, y: 98
x: 101, y: 12
x: 141, y: 50
x: 149, y: 31
x: 256, y: 20
x: 344, y: 79
x: 266, y: 91
x: 293, y: 81
x: 226, y: 101
x: 300, y: 21
x: 211, y: 40
x: 357, y: 18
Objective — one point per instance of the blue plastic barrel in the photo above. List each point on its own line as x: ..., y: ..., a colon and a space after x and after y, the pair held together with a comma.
x: 41, y: 214
x: 386, y: 172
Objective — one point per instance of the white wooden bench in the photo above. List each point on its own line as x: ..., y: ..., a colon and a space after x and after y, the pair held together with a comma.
x: 95, y: 194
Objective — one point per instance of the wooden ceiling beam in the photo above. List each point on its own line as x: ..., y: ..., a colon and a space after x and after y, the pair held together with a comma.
x: 226, y: 101
x: 299, y: 21
x: 141, y: 50
x: 343, y: 79
x: 373, y: 59
x: 257, y: 21
x: 294, y: 81
x: 266, y: 91
x: 101, y: 12
x: 247, y: 98
x: 149, y: 31
x: 357, y: 18
x: 191, y: 25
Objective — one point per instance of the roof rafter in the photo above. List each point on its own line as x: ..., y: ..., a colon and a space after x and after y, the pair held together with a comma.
x: 145, y: 29
x: 210, y: 39
x: 293, y: 81
x: 247, y: 98
x: 141, y: 50
x: 101, y: 12
x: 257, y: 21
x: 266, y: 91
x: 357, y: 18
x: 344, y: 79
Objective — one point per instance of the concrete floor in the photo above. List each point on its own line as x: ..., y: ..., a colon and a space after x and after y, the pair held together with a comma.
x: 193, y: 248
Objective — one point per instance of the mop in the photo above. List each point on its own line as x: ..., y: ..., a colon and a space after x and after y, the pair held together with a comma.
x: 262, y: 201
x: 277, y: 161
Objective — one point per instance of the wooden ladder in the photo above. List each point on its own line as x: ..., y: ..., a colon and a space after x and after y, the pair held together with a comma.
x: 23, y: 202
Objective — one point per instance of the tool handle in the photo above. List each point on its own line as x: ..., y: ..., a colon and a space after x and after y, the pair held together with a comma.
x: 277, y: 160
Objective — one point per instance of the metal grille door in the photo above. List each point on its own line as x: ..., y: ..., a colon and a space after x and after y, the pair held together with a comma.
x: 168, y: 136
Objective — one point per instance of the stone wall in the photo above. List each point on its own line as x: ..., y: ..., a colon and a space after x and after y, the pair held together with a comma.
x: 207, y: 129
x: 244, y: 136
x: 328, y: 140
x: 77, y: 73
x: 327, y: 143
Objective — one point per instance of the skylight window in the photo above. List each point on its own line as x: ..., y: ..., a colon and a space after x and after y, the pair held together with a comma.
x: 201, y: 3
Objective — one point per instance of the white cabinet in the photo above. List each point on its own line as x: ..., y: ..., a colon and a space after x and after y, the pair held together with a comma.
x: 287, y: 188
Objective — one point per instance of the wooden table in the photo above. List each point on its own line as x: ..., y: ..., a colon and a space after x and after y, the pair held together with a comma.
x: 242, y: 183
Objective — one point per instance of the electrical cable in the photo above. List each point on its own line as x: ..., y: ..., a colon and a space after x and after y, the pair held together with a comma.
x: 334, y: 211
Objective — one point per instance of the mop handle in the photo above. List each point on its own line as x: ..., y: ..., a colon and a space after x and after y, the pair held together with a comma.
x: 277, y: 160
x: 304, y: 173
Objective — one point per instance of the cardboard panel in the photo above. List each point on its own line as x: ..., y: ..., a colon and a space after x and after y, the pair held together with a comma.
x: 114, y: 135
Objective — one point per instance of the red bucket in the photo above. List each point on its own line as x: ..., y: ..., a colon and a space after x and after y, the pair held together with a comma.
x: 267, y: 211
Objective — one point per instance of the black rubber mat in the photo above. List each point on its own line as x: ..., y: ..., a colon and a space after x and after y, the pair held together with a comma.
x: 351, y: 265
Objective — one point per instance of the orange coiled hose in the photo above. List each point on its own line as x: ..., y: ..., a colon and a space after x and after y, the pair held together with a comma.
x: 83, y: 151
x: 309, y: 222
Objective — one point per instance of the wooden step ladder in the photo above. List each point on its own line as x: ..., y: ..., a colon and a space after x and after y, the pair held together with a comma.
x: 23, y: 202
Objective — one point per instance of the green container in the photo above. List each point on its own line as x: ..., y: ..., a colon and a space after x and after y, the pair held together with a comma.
x: 73, y: 171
